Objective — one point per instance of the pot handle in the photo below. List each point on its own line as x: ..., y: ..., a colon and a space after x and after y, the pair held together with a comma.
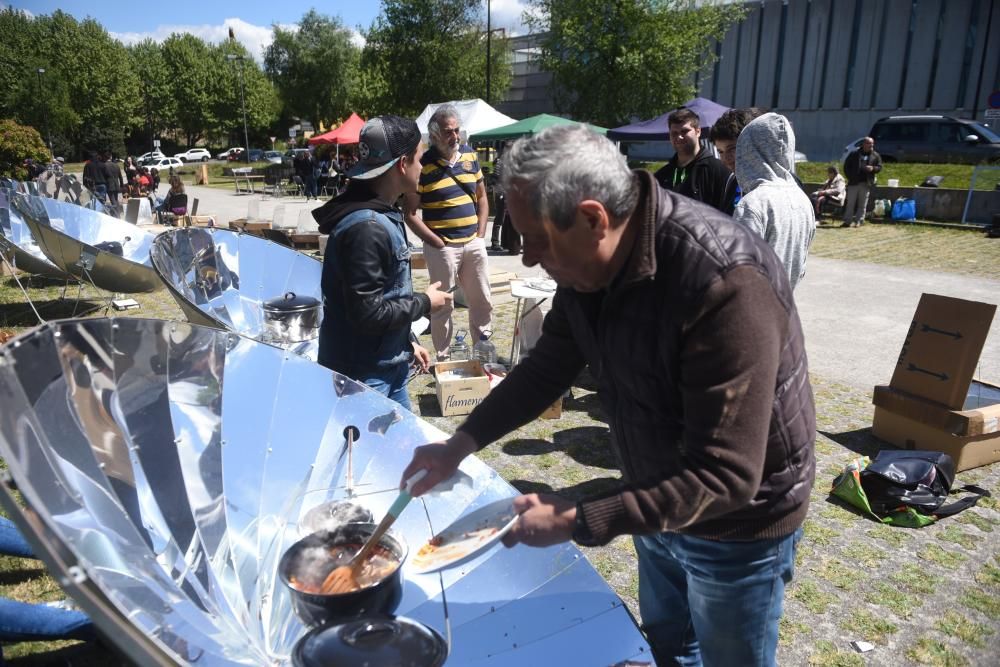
x: 371, y: 632
x: 289, y: 296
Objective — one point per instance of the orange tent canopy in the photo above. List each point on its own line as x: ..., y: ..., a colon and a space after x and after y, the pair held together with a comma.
x: 348, y: 133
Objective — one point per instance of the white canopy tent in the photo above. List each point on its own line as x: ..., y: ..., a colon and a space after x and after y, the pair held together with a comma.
x: 474, y: 116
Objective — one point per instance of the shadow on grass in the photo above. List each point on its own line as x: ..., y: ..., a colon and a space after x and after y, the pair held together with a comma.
x: 427, y: 405
x: 575, y: 492
x: 587, y: 445
x: 19, y: 575
x: 82, y: 654
x: 859, y: 440
x: 21, y: 314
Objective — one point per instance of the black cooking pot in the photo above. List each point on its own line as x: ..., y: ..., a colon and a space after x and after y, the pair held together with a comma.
x: 292, y: 318
x: 372, y: 640
x: 301, y: 562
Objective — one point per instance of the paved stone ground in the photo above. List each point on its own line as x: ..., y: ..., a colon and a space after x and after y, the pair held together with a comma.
x: 922, y: 597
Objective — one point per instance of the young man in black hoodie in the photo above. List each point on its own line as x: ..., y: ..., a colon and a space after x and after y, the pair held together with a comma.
x: 368, y: 298
x: 692, y: 171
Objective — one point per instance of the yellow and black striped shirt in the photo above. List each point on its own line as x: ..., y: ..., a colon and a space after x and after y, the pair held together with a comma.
x: 448, y: 209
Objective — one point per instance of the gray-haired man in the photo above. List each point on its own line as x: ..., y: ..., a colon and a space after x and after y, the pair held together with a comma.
x: 453, y: 225
x: 687, y: 322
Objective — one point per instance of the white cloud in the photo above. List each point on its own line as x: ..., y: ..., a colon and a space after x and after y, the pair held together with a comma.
x: 254, y: 38
x: 507, y: 14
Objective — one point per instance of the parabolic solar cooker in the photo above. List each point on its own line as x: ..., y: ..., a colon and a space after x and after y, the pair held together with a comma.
x: 166, y: 469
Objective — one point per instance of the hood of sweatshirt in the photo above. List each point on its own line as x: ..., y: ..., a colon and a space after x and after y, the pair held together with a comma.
x: 765, y: 153
x: 358, y: 196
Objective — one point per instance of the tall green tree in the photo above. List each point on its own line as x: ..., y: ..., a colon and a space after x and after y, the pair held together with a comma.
x: 158, y: 103
x: 193, y: 80
x: 612, y: 59
x: 315, y: 68
x: 259, y: 95
x: 423, y: 51
x: 87, y: 94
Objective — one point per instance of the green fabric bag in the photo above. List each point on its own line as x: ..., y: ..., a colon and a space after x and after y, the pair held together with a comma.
x: 847, y: 487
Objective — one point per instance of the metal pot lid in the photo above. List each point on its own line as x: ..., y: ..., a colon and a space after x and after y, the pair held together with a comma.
x: 371, y: 640
x: 291, y: 302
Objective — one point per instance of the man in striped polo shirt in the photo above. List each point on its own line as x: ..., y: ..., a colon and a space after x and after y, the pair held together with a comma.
x: 453, y: 201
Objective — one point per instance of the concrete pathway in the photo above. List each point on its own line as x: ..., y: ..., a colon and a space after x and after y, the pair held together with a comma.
x: 855, y: 315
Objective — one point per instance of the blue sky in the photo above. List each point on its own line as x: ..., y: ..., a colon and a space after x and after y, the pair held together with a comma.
x: 251, y: 20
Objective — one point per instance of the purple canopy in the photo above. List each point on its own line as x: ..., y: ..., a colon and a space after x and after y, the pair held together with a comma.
x: 656, y: 129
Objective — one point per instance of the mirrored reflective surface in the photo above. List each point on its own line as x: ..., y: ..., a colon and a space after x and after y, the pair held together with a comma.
x: 110, y: 253
x: 17, y: 243
x: 223, y: 279
x: 174, y: 464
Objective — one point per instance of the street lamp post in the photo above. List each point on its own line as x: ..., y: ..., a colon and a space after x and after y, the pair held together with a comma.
x: 246, y: 135
x: 45, y: 110
x: 489, y: 39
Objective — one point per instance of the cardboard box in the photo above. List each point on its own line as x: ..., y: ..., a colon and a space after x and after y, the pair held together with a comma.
x: 459, y: 395
x: 202, y: 220
x: 906, y: 433
x: 418, y: 261
x: 942, y: 348
x: 499, y: 284
x: 932, y: 402
x: 980, y: 414
x: 554, y: 411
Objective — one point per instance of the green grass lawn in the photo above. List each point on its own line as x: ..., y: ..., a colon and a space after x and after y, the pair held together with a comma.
x: 909, y: 174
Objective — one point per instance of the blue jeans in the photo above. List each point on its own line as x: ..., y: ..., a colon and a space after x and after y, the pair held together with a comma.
x: 21, y: 621
x: 713, y: 603
x: 393, y: 385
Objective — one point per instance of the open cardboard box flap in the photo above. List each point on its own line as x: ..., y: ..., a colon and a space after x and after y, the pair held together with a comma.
x: 942, y: 349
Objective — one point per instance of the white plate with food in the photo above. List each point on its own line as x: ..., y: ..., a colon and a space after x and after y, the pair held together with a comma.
x: 467, y: 536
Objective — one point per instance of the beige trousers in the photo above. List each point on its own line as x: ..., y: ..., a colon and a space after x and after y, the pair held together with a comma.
x: 468, y: 266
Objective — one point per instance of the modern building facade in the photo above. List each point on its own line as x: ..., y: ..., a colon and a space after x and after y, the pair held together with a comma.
x: 835, y: 66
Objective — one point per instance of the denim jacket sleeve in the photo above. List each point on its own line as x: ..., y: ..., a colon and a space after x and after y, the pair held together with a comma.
x: 364, y: 253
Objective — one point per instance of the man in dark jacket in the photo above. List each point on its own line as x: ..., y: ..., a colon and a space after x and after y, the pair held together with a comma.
x: 113, y: 178
x: 368, y: 298
x: 687, y: 323
x: 693, y: 171
x: 860, y: 168
x: 93, y: 177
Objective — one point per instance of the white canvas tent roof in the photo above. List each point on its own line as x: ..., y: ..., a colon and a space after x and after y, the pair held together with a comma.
x: 474, y: 115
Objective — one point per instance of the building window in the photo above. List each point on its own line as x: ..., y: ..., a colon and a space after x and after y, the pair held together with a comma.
x: 970, y: 47
x: 906, y: 53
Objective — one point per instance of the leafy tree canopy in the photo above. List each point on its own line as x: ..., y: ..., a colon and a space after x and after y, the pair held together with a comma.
x: 315, y: 68
x: 18, y: 143
x: 613, y: 59
x: 423, y: 51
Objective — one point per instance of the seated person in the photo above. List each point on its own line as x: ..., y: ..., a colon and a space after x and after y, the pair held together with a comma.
x: 832, y: 192
x: 24, y: 621
x: 145, y: 182
x: 175, y: 203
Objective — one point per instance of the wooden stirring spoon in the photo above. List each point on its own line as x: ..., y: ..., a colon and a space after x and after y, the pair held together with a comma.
x: 344, y: 579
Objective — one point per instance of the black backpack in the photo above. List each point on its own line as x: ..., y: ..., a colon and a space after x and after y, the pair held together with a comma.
x: 897, y: 479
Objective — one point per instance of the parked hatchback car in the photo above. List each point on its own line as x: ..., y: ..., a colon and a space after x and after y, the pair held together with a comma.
x: 149, y: 158
x: 224, y: 155
x: 274, y: 157
x: 165, y: 164
x: 194, y: 155
x: 936, y: 139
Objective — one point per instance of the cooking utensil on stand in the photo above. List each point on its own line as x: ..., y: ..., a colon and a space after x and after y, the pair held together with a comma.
x: 344, y: 579
x: 351, y: 433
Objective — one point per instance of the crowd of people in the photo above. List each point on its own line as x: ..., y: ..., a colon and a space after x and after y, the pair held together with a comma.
x: 675, y: 289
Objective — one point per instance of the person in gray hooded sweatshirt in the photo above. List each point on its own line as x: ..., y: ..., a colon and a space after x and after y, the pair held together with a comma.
x: 773, y: 204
